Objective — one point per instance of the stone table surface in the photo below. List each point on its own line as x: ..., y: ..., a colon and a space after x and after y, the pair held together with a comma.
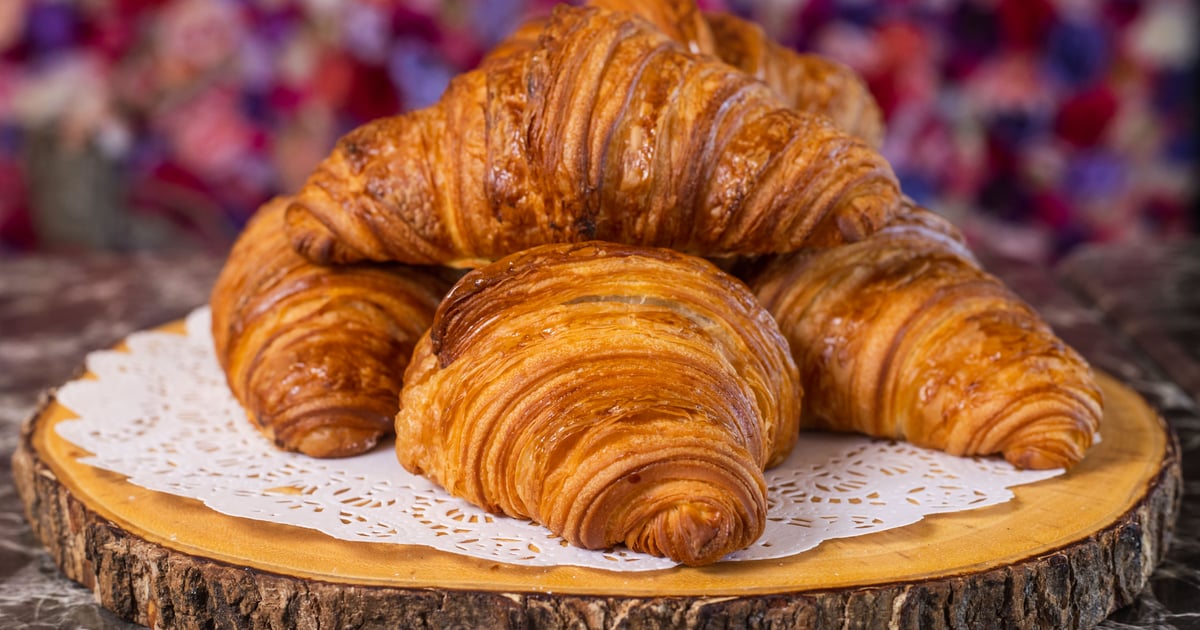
x: 1134, y: 312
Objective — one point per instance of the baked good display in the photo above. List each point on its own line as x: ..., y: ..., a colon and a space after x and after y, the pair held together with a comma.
x: 603, y: 129
x: 316, y: 354
x: 903, y: 336
x: 615, y: 394
x: 592, y: 373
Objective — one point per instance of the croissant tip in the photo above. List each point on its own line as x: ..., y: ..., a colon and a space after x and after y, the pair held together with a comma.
x: 314, y: 240
x: 697, y: 534
x: 338, y: 441
x: 1059, y: 454
x: 1058, y: 439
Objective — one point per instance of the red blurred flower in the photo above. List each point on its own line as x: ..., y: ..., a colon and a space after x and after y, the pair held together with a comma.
x: 1084, y: 118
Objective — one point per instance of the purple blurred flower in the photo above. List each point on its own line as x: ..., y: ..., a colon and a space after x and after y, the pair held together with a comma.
x: 1095, y: 174
x: 494, y: 20
x: 1078, y: 52
x: 51, y: 26
x: 420, y: 73
x: 365, y: 32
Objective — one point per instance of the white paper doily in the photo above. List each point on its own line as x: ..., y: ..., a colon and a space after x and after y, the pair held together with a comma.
x: 162, y: 415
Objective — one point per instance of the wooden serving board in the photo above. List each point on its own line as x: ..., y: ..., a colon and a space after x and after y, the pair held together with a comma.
x: 1064, y: 553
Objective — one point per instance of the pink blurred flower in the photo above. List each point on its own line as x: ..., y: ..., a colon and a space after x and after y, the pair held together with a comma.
x: 1012, y: 81
x: 852, y: 46
x: 301, y: 144
x: 12, y: 21
x: 208, y: 133
x: 195, y: 37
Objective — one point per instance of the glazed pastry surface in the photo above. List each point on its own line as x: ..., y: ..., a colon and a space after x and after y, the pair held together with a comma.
x: 615, y: 394
x: 903, y: 336
x: 806, y: 82
x: 607, y: 129
x: 316, y: 354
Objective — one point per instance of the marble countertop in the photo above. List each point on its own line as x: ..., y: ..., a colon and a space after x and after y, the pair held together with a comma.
x: 1133, y: 312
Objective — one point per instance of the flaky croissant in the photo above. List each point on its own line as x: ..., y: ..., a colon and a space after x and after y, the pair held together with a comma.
x: 807, y: 82
x: 316, y: 354
x: 681, y: 20
x: 606, y: 129
x: 615, y: 394
x: 903, y: 336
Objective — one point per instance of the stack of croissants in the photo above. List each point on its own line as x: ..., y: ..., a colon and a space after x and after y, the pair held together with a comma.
x: 683, y: 247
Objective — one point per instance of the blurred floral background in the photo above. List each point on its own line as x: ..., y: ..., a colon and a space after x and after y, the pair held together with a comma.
x: 1035, y: 125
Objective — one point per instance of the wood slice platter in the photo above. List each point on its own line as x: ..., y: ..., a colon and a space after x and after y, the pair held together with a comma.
x: 1064, y: 553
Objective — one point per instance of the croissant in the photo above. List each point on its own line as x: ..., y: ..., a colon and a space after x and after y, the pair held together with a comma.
x: 605, y: 129
x: 903, y: 336
x: 316, y: 354
x: 681, y: 20
x: 807, y: 82
x: 615, y: 394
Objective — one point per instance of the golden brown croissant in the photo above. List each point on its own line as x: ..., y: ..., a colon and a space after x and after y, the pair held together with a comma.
x: 615, y: 394
x: 807, y: 82
x: 681, y: 20
x: 605, y: 129
x: 316, y: 354
x: 902, y: 335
